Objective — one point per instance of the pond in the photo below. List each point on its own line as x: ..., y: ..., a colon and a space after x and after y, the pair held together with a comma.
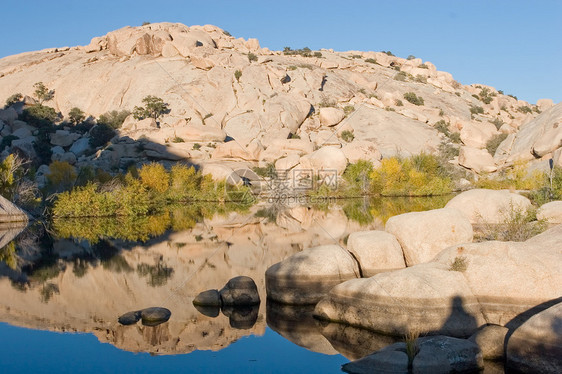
x: 64, y: 285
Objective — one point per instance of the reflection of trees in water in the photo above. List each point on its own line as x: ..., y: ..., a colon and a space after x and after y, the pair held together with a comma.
x: 47, y: 291
x: 158, y: 274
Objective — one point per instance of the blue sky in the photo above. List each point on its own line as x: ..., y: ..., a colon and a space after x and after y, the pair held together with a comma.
x: 512, y: 45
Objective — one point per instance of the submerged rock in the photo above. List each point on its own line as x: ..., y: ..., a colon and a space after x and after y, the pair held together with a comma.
x: 155, y: 316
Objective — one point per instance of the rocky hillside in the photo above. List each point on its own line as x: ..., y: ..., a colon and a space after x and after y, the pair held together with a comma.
x: 278, y: 106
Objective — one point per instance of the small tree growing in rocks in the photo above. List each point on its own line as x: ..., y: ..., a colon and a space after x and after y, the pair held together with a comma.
x: 154, y: 107
x: 76, y: 115
x: 42, y: 93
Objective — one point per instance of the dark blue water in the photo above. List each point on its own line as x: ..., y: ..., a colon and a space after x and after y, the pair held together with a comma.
x: 32, y: 351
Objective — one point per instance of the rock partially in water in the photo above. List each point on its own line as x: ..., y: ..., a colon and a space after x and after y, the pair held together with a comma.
x: 155, y: 316
x: 208, y: 298
x: 491, y: 340
x: 241, y: 317
x: 240, y: 291
x: 435, y: 354
x: 130, y: 318
x: 307, y: 276
x: 427, y: 297
x: 536, y: 345
x: 444, y: 354
x: 392, y: 359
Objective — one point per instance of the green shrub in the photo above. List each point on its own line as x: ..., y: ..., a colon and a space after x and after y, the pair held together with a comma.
x: 513, y: 96
x: 494, y: 142
x: 13, y: 99
x: 76, y: 115
x: 475, y: 109
x: 267, y: 171
x: 155, y: 177
x: 398, y: 102
x: 388, y: 53
x: 100, y: 135
x: 252, y: 57
x: 348, y: 109
x: 423, y: 66
x: 114, y: 118
x: 517, y: 225
x: 416, y: 176
x: 371, y: 61
x: 7, y: 141
x: 442, y: 127
x: 317, y: 54
x: 524, y: 109
x: 420, y: 79
x: 401, y: 76
x: 412, y: 98
x: 357, y: 178
x: 196, y: 146
x: 154, y: 107
x: 42, y: 93
x: 39, y: 115
x: 177, y: 139
x: 61, y: 175
x: 410, y: 57
x: 237, y: 75
x: 486, y: 96
x: 347, y: 136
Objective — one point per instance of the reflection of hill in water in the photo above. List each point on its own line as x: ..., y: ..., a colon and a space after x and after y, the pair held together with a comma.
x: 72, y: 285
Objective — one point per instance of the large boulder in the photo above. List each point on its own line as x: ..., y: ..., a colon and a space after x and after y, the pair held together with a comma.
x: 80, y: 147
x: 64, y: 138
x: 477, y: 134
x: 362, y: 150
x: 488, y: 206
x: 307, y: 276
x: 510, y: 278
x: 551, y: 212
x: 423, y: 235
x: 476, y: 159
x: 199, y: 133
x: 536, y: 346
x: 9, y: 212
x: 326, y: 158
x: 426, y: 297
x: 376, y: 251
x: 331, y: 116
x: 491, y: 340
x: 240, y: 291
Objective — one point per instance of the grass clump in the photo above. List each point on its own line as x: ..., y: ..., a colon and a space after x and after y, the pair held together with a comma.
x: 460, y: 263
x: 517, y: 225
x: 524, y: 109
x: 475, y: 109
x: 398, y: 102
x: 413, y: 98
x: 347, y: 136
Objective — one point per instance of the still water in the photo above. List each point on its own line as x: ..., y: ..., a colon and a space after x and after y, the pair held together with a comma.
x: 63, y: 286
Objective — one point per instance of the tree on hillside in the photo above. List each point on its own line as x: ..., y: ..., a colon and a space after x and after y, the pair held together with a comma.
x: 42, y: 93
x: 15, y: 98
x: 76, y: 115
x: 154, y: 107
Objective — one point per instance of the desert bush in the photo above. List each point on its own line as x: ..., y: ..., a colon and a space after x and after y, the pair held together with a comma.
x: 13, y: 99
x: 401, y: 76
x: 423, y: 66
x: 39, y: 115
x: 419, y: 175
x: 412, y: 98
x: 317, y: 54
x: 196, y: 146
x: 494, y: 142
x: 517, y: 177
x: 238, y: 75
x: 100, y: 135
x: 347, y: 136
x: 388, y: 53
x: 348, y: 109
x: 357, y: 178
x: 442, y: 127
x: 252, y: 57
x: 517, y: 225
x: 486, y: 96
x: 114, y: 118
x: 398, y: 102
x: 371, y: 60
x: 475, y: 109
x: 267, y: 171
x: 61, y: 176
x: 460, y: 263
x: 420, y: 78
x: 410, y: 57
x: 76, y: 115
x: 524, y: 109
x: 497, y: 122
x: 155, y: 177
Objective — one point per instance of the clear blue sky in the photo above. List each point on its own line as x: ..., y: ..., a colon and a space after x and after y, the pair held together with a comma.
x: 512, y: 45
